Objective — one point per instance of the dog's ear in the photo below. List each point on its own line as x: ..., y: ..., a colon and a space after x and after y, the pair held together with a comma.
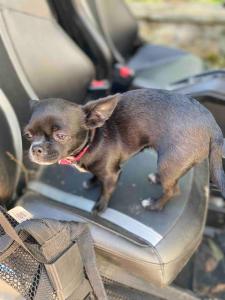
x: 33, y: 103
x: 97, y: 112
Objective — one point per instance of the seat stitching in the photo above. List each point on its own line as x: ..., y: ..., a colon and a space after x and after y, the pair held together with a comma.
x: 26, y: 13
x: 154, y: 249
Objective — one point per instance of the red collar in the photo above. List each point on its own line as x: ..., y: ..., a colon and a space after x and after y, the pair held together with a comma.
x: 73, y: 159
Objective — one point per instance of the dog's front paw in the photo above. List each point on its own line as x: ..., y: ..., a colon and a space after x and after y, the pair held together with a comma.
x: 151, y: 204
x: 99, y: 207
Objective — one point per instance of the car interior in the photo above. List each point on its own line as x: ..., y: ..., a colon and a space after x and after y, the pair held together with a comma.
x: 57, y: 49
x: 111, y: 40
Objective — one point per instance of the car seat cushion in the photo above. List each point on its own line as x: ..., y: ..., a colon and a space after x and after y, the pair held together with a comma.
x: 153, y: 245
x: 150, y: 55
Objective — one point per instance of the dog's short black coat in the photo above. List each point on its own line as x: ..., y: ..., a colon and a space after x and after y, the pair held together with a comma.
x: 178, y: 127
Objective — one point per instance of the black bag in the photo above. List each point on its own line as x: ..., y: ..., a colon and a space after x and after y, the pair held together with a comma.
x: 48, y: 259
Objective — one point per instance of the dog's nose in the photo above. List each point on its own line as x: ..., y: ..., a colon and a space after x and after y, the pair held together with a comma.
x: 37, y: 150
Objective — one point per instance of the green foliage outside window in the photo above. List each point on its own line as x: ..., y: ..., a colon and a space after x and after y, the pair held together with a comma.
x: 177, y: 1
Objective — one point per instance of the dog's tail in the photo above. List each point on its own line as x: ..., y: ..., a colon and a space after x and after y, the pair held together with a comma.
x: 217, y: 151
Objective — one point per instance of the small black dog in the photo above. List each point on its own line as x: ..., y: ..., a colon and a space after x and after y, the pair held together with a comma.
x: 101, y: 135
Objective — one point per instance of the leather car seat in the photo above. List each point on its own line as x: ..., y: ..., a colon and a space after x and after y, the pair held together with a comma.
x: 154, y: 246
x: 37, y: 58
x: 110, y: 33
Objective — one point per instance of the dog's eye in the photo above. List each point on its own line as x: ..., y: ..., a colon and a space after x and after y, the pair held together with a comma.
x: 28, y: 135
x: 60, y: 136
x: 55, y: 128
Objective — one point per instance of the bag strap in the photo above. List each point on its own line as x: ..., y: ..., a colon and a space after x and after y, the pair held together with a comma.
x: 11, y: 232
x: 87, y: 253
x: 86, y: 249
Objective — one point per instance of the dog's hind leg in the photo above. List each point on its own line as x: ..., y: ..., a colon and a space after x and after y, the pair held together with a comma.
x: 158, y: 204
x: 171, y: 166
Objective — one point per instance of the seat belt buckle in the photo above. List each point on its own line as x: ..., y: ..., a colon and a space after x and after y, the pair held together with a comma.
x: 122, y: 78
x: 98, y: 88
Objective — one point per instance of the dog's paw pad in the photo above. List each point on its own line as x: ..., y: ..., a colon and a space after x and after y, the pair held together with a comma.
x: 86, y: 185
x: 152, y: 178
x: 90, y: 183
x: 150, y: 204
x: 146, y: 202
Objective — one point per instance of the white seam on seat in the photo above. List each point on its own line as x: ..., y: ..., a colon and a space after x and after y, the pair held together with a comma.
x: 115, y: 217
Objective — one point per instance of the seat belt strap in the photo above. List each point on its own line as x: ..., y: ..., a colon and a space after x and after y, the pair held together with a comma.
x: 118, y: 57
x: 87, y: 252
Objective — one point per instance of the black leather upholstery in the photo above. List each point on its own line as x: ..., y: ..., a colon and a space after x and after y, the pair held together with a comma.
x: 109, y: 24
x: 152, y: 245
x: 10, y: 150
x: 44, y: 60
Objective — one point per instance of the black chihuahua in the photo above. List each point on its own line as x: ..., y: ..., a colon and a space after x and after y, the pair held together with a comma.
x: 100, y: 135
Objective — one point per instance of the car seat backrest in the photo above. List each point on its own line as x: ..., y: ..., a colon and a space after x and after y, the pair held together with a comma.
x: 46, y: 60
x: 10, y: 150
x: 105, y: 29
x: 118, y: 24
x: 79, y: 19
